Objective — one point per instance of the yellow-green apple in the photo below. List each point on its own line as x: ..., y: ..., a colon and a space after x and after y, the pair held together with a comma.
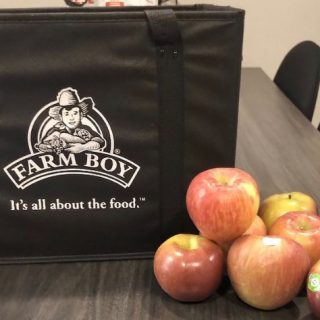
x: 267, y: 272
x: 189, y: 267
x: 313, y: 289
x: 301, y: 227
x: 278, y: 204
x: 222, y: 203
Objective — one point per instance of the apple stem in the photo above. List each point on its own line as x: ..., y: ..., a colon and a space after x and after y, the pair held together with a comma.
x: 290, y: 196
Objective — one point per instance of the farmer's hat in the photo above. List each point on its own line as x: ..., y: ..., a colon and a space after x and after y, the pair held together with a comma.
x: 68, y: 98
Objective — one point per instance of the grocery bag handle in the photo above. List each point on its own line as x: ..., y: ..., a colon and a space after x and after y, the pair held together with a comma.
x: 164, y: 26
x: 166, y: 36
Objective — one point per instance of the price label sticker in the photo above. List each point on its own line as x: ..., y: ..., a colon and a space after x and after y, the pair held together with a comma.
x: 314, y: 282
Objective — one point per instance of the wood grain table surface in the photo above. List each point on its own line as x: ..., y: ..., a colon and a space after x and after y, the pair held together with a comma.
x: 276, y: 144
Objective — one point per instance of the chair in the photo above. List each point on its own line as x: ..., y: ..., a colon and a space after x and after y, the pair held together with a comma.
x: 299, y: 75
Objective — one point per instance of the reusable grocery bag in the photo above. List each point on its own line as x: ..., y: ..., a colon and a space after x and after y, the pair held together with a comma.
x: 105, y: 117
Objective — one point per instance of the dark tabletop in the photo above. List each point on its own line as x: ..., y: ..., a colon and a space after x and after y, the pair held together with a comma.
x: 276, y: 144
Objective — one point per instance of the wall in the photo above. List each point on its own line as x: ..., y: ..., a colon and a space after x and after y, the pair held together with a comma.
x: 30, y: 3
x: 272, y: 28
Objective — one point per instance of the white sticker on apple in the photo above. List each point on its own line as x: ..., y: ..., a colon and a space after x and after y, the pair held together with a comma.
x: 269, y: 241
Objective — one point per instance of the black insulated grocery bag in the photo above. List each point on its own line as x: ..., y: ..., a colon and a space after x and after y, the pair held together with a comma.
x: 105, y: 117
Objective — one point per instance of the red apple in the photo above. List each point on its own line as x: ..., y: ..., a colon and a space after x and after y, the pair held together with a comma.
x: 313, y: 289
x: 267, y: 272
x: 222, y: 203
x: 257, y: 227
x: 189, y: 267
x: 277, y: 205
x: 301, y: 227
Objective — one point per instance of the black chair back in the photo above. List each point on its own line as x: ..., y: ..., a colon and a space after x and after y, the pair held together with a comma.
x: 299, y: 75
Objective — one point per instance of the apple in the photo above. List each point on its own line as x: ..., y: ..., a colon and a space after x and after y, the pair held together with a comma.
x: 313, y: 289
x: 267, y: 272
x: 278, y: 204
x: 301, y: 227
x: 222, y: 203
x: 257, y: 227
x: 188, y: 267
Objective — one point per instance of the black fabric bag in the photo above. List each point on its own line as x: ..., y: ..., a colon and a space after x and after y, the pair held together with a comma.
x: 105, y: 117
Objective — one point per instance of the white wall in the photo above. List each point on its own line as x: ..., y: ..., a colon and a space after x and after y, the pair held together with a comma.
x: 272, y: 27
x: 30, y: 3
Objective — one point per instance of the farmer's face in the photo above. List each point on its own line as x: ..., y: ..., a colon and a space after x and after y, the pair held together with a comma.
x: 71, y: 118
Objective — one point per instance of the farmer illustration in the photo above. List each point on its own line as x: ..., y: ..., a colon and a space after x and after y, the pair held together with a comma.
x: 69, y: 133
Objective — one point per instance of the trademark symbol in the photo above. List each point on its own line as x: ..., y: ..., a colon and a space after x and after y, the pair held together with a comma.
x: 142, y: 199
x: 117, y: 151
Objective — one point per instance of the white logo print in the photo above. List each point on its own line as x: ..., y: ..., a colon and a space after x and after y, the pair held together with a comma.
x: 70, y: 136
